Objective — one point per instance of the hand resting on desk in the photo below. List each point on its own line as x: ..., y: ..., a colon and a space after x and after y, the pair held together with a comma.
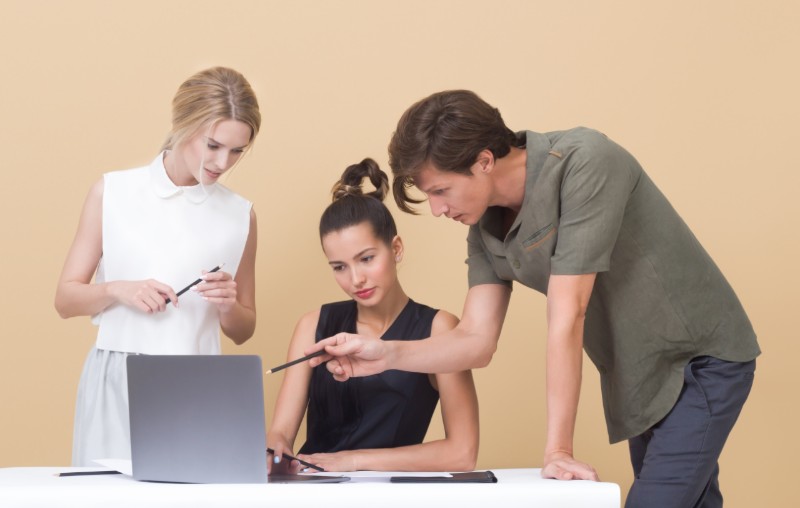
x: 563, y: 466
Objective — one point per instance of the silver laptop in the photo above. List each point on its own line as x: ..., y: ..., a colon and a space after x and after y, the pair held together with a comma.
x: 197, y: 419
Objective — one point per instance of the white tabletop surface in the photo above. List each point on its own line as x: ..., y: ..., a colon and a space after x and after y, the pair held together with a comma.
x: 40, y: 487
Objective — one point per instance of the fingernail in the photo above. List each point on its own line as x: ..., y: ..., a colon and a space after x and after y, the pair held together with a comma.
x: 305, y: 470
x: 276, y: 460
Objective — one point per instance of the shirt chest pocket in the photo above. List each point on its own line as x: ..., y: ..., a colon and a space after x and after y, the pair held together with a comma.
x: 539, y: 238
x: 532, y: 262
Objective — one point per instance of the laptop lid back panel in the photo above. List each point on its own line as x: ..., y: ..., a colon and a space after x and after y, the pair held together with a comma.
x: 197, y: 419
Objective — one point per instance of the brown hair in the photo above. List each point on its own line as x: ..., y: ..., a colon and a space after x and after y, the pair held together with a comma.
x: 448, y: 130
x: 215, y: 94
x: 351, y: 206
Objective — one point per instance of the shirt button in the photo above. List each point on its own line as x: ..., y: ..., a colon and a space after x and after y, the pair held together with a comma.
x: 515, y: 264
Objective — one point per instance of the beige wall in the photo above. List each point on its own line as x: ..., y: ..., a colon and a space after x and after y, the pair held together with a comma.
x: 703, y: 93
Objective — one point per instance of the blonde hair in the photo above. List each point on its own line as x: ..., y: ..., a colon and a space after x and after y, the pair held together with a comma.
x: 212, y: 95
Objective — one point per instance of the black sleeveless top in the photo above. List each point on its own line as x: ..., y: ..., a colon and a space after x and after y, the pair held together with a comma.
x: 386, y: 410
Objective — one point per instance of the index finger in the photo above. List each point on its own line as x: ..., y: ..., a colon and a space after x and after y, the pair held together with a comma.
x: 330, y: 341
x: 342, y: 344
x: 556, y: 472
x: 319, y: 346
x: 585, y: 472
x: 218, y: 275
x: 563, y: 470
x: 578, y: 470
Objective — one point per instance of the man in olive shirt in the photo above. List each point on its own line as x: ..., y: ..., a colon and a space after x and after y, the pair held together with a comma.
x: 572, y: 215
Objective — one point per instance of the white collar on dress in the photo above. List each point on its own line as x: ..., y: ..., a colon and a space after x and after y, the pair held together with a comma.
x: 165, y: 188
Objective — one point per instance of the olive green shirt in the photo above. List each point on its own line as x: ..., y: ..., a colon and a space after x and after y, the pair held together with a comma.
x: 658, y: 300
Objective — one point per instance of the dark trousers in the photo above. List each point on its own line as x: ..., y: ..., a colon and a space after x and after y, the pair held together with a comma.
x: 675, y: 461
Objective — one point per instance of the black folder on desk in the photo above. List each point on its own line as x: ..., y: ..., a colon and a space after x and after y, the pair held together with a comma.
x: 470, y: 477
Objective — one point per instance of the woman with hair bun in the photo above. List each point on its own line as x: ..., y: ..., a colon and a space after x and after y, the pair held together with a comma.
x: 377, y: 422
x: 145, y: 233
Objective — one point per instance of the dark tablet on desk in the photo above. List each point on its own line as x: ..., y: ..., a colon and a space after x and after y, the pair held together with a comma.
x: 469, y: 477
x: 302, y: 478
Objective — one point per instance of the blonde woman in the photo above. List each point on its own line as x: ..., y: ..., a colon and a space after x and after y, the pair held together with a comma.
x: 144, y: 234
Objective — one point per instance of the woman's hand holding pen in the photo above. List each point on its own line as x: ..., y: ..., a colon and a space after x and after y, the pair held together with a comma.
x: 350, y: 355
x: 149, y: 296
x: 218, y: 288
x: 276, y: 463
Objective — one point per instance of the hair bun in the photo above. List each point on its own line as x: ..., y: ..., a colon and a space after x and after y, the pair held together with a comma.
x: 350, y: 182
x: 341, y: 190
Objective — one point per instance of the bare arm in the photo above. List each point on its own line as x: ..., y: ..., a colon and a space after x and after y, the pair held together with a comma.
x: 76, y: 295
x: 293, y: 395
x: 458, y: 451
x: 469, y: 345
x: 236, y: 299
x: 567, y: 300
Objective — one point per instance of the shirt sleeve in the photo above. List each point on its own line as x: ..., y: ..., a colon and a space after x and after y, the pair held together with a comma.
x: 594, y: 192
x: 480, y: 269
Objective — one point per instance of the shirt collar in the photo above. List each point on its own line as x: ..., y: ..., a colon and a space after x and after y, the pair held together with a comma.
x: 537, y: 146
x: 165, y: 188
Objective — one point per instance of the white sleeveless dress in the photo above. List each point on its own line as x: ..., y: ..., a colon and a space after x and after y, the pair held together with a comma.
x: 152, y: 229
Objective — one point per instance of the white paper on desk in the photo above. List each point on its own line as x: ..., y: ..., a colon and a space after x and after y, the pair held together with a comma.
x: 124, y: 466
x: 389, y: 474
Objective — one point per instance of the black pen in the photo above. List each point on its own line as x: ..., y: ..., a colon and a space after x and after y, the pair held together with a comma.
x: 303, y: 462
x: 198, y: 281
x: 293, y: 362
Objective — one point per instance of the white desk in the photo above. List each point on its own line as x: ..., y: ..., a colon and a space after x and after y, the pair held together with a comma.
x: 38, y: 487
